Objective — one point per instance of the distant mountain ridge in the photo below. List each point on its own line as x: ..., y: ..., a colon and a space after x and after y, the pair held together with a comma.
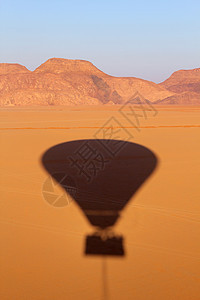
x: 61, y: 81
x: 6, y: 69
x: 186, y: 86
x: 183, y: 81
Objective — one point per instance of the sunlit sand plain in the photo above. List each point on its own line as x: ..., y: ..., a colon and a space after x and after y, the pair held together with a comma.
x: 42, y: 247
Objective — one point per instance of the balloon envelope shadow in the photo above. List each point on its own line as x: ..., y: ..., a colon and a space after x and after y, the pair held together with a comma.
x: 101, y: 176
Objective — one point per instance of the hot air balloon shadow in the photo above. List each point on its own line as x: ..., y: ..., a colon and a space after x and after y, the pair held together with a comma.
x: 101, y: 181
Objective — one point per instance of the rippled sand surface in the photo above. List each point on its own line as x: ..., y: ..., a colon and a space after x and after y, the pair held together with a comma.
x: 42, y: 246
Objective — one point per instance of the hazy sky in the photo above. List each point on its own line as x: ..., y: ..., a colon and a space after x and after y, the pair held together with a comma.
x: 146, y: 39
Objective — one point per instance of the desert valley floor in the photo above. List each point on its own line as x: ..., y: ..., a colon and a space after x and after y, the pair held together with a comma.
x: 42, y: 246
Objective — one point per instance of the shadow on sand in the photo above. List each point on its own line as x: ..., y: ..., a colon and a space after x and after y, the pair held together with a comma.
x: 101, y: 176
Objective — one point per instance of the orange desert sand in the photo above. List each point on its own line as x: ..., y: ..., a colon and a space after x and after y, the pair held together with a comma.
x: 42, y: 247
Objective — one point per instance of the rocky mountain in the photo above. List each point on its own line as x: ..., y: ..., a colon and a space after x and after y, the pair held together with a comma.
x: 186, y: 86
x: 71, y: 82
x: 6, y: 69
x: 183, y: 81
x: 187, y: 98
